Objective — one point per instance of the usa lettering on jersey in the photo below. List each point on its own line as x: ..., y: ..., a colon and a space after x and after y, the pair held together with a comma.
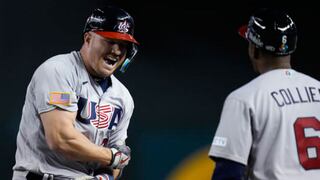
x: 99, y: 116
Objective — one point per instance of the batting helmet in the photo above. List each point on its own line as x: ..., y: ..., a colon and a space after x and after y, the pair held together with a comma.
x: 271, y: 30
x: 115, y: 23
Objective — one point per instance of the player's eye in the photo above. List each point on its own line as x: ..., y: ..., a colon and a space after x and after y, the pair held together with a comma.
x: 122, y: 44
x: 111, y: 42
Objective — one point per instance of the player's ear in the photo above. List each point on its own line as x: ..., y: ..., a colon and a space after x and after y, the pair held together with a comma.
x: 87, y: 37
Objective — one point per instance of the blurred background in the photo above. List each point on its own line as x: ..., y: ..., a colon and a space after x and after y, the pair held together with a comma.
x: 189, y: 60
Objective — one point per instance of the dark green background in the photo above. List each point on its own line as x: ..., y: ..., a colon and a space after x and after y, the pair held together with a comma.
x: 190, y: 58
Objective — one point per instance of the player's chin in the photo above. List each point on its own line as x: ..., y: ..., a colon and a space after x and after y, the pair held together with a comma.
x: 107, y: 72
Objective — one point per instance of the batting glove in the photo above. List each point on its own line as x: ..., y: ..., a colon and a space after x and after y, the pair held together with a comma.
x: 119, y: 159
x: 123, y: 148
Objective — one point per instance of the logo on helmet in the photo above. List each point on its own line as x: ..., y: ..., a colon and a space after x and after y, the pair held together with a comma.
x: 123, y: 27
x: 270, y: 48
x: 256, y: 40
x: 283, y: 47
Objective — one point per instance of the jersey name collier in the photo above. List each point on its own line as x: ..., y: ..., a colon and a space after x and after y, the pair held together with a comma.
x: 296, y: 95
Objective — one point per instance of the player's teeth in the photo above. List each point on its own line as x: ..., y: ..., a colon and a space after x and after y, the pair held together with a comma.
x: 108, y: 61
x: 111, y: 59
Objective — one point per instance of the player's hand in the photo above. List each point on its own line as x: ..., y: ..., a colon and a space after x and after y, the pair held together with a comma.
x: 119, y: 158
x: 121, y: 146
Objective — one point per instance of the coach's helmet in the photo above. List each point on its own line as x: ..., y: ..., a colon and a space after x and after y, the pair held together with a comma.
x: 271, y: 30
x: 115, y: 23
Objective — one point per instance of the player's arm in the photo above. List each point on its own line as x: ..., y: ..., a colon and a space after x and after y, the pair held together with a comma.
x: 62, y: 136
x: 227, y: 169
x: 116, y: 173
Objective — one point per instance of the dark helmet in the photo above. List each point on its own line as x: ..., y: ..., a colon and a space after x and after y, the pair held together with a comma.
x: 115, y: 23
x: 271, y: 30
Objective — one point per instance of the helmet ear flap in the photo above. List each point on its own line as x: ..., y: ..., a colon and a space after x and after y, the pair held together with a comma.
x: 125, y: 65
x: 131, y: 52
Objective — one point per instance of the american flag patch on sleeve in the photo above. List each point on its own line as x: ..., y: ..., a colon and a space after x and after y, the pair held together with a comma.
x: 59, y: 98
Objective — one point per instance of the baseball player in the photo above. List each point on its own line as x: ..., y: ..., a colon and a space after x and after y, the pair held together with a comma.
x: 76, y: 112
x: 269, y: 128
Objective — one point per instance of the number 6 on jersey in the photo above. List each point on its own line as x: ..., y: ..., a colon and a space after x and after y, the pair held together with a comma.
x: 307, y: 131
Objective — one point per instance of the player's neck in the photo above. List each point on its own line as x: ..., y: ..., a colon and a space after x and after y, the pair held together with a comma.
x: 269, y: 64
x: 264, y: 70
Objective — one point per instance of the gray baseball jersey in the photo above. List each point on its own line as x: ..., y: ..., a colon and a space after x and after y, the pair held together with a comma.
x: 103, y: 117
x: 272, y: 125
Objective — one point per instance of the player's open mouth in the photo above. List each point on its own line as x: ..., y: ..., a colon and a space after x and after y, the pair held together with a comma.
x: 110, y: 60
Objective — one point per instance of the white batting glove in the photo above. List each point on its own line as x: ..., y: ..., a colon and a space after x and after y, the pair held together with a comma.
x: 119, y: 159
x: 123, y: 148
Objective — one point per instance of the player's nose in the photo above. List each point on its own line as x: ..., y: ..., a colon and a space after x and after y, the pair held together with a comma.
x: 116, y: 49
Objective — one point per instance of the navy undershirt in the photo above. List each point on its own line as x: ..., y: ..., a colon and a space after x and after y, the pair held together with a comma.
x: 228, y: 170
x: 104, y: 83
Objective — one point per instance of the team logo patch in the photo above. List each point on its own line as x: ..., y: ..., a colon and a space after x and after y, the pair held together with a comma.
x: 283, y: 47
x: 61, y: 98
x: 219, y: 141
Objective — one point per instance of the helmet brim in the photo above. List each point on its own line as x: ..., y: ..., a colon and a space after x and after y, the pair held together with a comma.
x: 243, y: 31
x: 117, y: 35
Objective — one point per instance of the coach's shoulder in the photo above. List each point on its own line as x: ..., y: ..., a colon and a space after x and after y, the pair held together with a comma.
x: 246, y: 91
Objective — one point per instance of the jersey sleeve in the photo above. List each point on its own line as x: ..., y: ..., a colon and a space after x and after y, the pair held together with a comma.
x: 233, y: 137
x: 54, y: 86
